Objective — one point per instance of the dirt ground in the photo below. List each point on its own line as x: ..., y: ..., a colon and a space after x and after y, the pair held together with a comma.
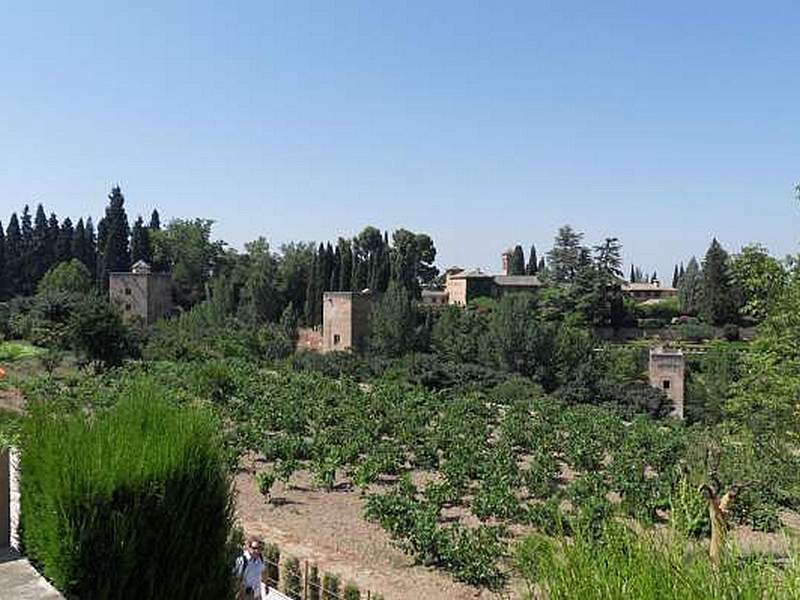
x: 328, y: 528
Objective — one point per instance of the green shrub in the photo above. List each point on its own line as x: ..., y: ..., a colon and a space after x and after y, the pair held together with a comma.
x: 351, y: 591
x: 291, y: 577
x: 330, y: 587
x: 658, y: 566
x: 314, y: 585
x: 272, y: 559
x: 109, y: 501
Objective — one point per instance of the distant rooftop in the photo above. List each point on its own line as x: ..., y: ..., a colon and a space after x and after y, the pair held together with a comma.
x: 517, y: 281
x: 646, y: 287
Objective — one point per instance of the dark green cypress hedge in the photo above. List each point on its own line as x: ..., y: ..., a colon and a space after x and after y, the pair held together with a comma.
x: 132, y: 503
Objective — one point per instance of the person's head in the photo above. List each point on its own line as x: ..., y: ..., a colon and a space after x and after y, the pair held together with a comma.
x: 254, y: 546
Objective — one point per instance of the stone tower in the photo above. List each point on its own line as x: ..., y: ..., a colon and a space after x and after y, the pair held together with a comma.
x: 345, y: 320
x: 668, y: 372
x: 141, y: 295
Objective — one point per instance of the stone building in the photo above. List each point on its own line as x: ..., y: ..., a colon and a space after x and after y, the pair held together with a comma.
x: 345, y: 320
x: 668, y: 373
x: 141, y: 295
x: 463, y: 286
x: 648, y: 291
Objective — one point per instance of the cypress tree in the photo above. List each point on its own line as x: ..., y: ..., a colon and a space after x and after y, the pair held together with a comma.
x: 66, y: 236
x: 140, y: 243
x: 717, y: 304
x: 79, y: 242
x: 51, y: 242
x: 27, y: 230
x: 113, y: 237
x: 542, y: 268
x: 517, y: 261
x: 333, y: 285
x: 90, y: 247
x: 675, y: 276
x: 346, y: 266
x: 533, y: 265
x: 13, y: 253
x: 3, y: 277
x: 689, y: 290
x: 155, y: 221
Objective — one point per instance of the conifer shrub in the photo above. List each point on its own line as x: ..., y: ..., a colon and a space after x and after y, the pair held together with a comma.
x: 110, y: 501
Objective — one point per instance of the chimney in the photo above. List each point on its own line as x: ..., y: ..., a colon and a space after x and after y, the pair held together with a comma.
x: 507, y: 262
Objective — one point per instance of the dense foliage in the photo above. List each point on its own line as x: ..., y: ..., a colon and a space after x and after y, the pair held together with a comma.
x: 109, y: 502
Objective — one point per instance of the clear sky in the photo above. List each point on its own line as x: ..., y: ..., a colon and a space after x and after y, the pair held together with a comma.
x: 482, y: 123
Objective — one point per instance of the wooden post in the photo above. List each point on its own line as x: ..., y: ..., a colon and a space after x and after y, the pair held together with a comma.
x: 305, y: 581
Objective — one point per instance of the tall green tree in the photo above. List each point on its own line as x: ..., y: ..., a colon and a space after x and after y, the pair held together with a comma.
x: 690, y: 288
x: 113, y: 237
x: 760, y: 278
x: 141, y: 248
x: 294, y: 270
x: 90, y: 248
x: 185, y: 248
x: 675, y: 277
x: 533, y: 265
x: 393, y: 322
x: 51, y: 243
x: 567, y: 256
x: 346, y: 269
x: 3, y: 273
x: 14, y: 252
x: 516, y: 263
x: 718, y: 304
x: 155, y: 221
x: 261, y: 300
x: 64, y: 243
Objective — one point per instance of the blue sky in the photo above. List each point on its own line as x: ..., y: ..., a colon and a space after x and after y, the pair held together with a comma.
x: 484, y: 124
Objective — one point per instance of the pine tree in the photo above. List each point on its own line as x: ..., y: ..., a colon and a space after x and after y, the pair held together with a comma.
x: 675, y: 276
x: 633, y: 274
x: 113, y: 237
x: 542, y: 268
x: 567, y: 255
x: 533, y: 265
x: 516, y: 265
x: 717, y: 303
x: 14, y: 251
x: 66, y: 236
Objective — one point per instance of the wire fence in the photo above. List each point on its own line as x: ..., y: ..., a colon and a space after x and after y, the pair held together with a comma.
x: 304, y: 580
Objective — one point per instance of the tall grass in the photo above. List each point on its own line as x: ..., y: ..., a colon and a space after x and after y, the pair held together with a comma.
x: 131, y: 503
x: 652, y: 566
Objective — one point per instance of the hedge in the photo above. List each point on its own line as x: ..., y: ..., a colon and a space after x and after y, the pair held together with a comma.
x: 133, y: 502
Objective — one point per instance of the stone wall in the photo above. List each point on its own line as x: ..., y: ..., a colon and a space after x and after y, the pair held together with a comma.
x: 9, y: 499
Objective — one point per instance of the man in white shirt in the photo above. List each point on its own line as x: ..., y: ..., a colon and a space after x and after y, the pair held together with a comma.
x: 249, y: 567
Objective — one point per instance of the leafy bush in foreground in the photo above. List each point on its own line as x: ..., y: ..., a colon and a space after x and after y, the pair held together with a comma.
x: 623, y: 564
x: 110, y: 501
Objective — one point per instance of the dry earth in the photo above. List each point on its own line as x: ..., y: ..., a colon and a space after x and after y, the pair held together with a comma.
x: 328, y: 528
